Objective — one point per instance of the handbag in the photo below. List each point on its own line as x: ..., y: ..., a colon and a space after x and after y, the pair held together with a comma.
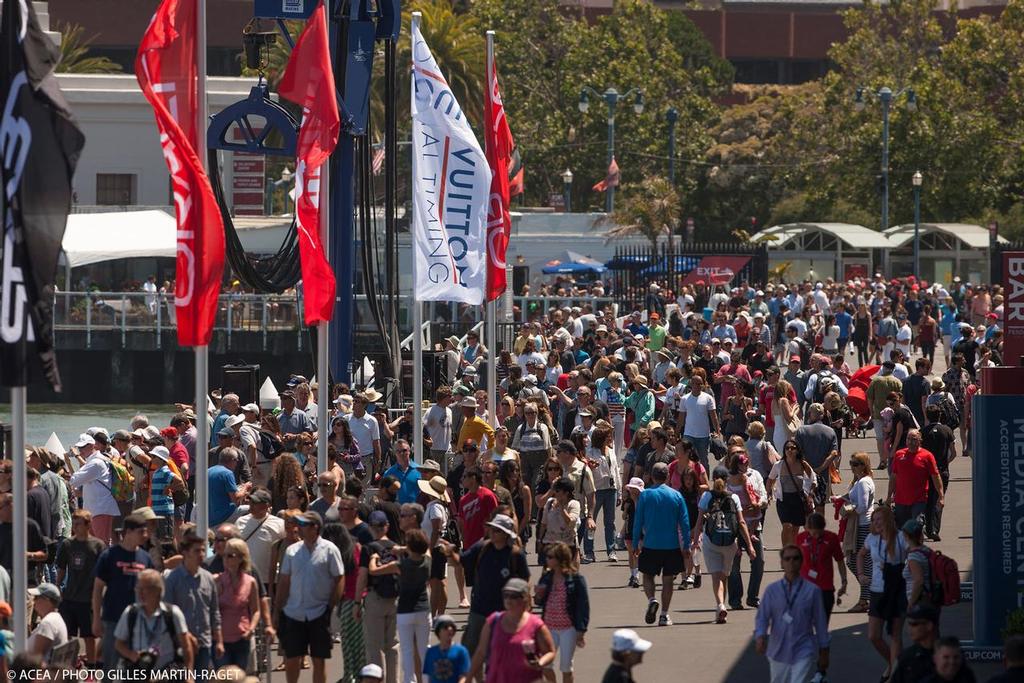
x: 806, y: 499
x: 833, y: 473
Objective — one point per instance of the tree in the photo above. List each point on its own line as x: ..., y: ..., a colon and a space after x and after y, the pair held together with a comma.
x: 651, y: 208
x: 74, y: 53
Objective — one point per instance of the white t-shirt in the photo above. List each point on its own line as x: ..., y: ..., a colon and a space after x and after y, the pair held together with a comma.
x: 52, y: 626
x: 698, y: 419
x: 903, y: 337
x: 435, y: 510
x: 366, y: 430
x: 673, y: 396
x: 830, y: 338
x: 877, y: 547
x: 438, y: 422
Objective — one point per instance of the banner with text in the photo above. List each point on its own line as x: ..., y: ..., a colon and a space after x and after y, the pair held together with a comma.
x: 451, y: 187
x: 1013, y: 307
x: 716, y: 270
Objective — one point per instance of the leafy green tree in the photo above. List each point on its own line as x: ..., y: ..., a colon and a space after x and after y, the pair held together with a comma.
x: 651, y: 208
x: 74, y: 53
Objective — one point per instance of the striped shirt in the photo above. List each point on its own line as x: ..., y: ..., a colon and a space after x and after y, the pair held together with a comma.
x: 160, y: 500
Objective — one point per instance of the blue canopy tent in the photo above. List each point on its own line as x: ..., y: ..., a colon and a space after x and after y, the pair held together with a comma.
x: 680, y: 265
x: 628, y: 262
x: 572, y: 263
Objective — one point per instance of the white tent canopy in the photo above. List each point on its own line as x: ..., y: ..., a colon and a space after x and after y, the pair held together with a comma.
x: 97, y: 237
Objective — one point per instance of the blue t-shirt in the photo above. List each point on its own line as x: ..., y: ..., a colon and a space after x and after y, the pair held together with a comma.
x: 948, y: 319
x: 410, y: 490
x: 119, y: 568
x: 844, y: 320
x: 163, y: 504
x: 222, y: 483
x: 218, y: 424
x: 446, y: 666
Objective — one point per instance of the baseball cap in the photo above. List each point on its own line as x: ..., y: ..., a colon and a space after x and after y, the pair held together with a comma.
x: 378, y: 518
x: 913, y: 526
x: 46, y: 590
x: 250, y: 408
x: 444, y: 621
x: 85, y: 440
x: 227, y: 432
x: 234, y: 420
x: 516, y: 585
x: 430, y: 465
x: 160, y: 452
x: 626, y: 640
x: 794, y: 359
x: 372, y: 671
x: 636, y: 483
x: 121, y: 434
x: 260, y: 496
x: 309, y: 517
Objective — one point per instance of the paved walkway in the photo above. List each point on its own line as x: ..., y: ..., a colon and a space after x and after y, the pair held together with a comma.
x: 725, y: 652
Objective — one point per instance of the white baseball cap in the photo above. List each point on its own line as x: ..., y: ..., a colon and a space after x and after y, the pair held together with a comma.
x: 372, y: 671
x: 626, y: 640
x: 85, y: 440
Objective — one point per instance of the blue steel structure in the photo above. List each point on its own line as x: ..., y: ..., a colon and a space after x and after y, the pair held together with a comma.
x: 355, y: 27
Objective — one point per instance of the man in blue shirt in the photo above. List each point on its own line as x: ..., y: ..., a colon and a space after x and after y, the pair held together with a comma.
x: 228, y: 406
x: 845, y: 322
x: 793, y: 610
x: 405, y: 473
x: 659, y: 524
x: 225, y: 494
x: 446, y: 662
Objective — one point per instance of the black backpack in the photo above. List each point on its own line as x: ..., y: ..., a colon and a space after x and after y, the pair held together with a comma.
x: 825, y: 377
x: 723, y: 521
x: 950, y: 415
x: 271, y: 448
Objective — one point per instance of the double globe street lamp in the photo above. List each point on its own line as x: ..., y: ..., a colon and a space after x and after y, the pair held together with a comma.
x: 611, y: 97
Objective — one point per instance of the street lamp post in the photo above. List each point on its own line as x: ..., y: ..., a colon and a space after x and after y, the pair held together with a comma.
x: 916, y: 180
x: 886, y: 96
x: 672, y: 116
x: 567, y: 189
x: 611, y: 98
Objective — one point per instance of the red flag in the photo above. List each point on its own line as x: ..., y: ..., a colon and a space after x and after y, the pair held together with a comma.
x: 309, y: 82
x: 165, y: 67
x: 610, y: 180
x: 516, y: 185
x: 499, y: 145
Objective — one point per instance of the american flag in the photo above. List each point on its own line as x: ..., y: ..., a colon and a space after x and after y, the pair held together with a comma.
x: 378, y: 159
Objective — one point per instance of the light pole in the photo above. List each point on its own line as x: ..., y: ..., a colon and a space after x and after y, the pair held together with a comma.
x: 672, y: 116
x: 611, y: 98
x: 567, y: 189
x: 885, y: 96
x: 916, y: 180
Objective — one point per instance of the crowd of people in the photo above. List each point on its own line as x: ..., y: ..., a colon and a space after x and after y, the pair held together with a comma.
x: 679, y: 428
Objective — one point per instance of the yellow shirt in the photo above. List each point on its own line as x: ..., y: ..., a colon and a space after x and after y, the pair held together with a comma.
x: 475, y: 428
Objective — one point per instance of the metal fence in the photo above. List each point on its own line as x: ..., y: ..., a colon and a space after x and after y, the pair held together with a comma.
x: 634, y: 267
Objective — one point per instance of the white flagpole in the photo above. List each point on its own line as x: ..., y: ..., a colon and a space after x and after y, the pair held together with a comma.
x: 491, y: 334
x: 19, y: 405
x: 322, y: 331
x: 417, y: 323
x: 202, y: 513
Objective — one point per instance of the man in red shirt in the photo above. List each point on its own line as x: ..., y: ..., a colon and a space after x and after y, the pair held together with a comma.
x: 821, y: 548
x: 476, y: 507
x: 912, y: 470
x: 179, y: 455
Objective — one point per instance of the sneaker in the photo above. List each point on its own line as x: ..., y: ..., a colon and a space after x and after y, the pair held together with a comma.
x: 696, y: 581
x: 634, y: 582
x: 652, y: 612
x: 753, y: 602
x: 612, y: 557
x: 664, y: 619
x: 588, y: 559
x: 736, y: 606
x: 723, y: 615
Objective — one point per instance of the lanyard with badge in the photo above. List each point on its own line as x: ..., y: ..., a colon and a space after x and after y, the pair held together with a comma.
x: 813, y: 546
x: 790, y: 599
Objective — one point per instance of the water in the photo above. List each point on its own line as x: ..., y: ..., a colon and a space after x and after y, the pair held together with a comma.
x: 70, y: 420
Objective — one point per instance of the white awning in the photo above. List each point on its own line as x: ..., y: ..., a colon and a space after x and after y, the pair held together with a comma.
x: 854, y: 236
x: 97, y: 237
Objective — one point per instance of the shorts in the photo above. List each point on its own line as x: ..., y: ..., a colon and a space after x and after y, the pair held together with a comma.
x: 888, y: 605
x: 438, y: 566
x: 654, y: 561
x: 879, y: 426
x: 77, y: 617
x: 307, y: 637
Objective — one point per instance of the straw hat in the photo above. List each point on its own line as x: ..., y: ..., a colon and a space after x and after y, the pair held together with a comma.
x: 435, y: 487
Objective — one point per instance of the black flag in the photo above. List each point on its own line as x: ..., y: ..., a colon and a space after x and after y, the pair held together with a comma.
x: 39, y: 147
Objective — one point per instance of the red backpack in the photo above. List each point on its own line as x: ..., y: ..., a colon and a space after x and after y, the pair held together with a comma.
x: 945, y: 579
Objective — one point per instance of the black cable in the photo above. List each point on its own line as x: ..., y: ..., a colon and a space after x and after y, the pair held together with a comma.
x: 363, y: 170
x: 269, y: 274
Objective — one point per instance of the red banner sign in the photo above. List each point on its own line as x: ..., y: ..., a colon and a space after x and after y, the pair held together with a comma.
x: 1013, y: 307
x: 166, y: 70
x: 716, y: 270
x: 498, y: 143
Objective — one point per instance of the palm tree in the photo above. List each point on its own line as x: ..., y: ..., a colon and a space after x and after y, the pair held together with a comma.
x: 651, y: 208
x: 74, y: 54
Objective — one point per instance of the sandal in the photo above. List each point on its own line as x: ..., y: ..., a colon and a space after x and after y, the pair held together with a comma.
x: 858, y: 608
x: 305, y: 662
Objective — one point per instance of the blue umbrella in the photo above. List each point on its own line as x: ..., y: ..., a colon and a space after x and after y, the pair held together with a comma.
x: 680, y: 265
x: 573, y: 263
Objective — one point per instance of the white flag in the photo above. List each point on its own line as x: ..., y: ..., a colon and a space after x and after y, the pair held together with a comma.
x: 451, y: 186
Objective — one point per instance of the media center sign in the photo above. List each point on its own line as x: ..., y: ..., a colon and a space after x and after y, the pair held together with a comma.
x: 998, y: 492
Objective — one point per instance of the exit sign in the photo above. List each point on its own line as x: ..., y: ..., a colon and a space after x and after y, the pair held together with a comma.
x: 284, y: 9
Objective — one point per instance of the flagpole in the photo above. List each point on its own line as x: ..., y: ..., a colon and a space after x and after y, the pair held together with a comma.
x: 19, y: 405
x: 491, y: 334
x: 202, y: 367
x: 322, y: 328
x: 417, y: 315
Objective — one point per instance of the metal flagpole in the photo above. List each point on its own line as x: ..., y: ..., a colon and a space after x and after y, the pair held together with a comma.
x: 417, y: 322
x: 323, y: 331
x: 19, y: 405
x: 201, y: 352
x: 491, y: 334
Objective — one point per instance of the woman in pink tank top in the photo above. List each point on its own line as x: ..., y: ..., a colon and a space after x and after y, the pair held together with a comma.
x: 514, y: 644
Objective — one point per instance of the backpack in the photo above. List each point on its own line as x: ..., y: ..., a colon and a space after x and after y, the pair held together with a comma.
x: 270, y: 448
x: 950, y: 415
x: 944, y: 579
x: 122, y: 481
x: 805, y: 352
x: 531, y: 443
x: 825, y: 377
x: 133, y: 614
x: 723, y: 520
